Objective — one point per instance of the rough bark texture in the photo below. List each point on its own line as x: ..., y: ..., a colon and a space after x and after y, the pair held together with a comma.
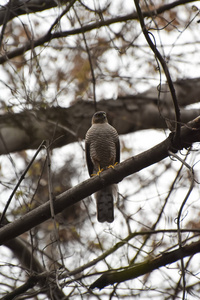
x: 189, y: 134
x: 62, y: 126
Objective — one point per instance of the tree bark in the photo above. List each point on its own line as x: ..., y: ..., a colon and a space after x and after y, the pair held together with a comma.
x: 189, y: 134
x: 62, y: 126
x: 49, y: 36
x: 146, y: 266
x: 17, y: 8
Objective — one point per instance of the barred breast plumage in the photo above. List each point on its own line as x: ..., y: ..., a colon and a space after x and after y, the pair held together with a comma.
x: 102, y: 150
x: 102, y: 139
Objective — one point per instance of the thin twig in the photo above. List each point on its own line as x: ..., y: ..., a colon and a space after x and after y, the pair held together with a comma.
x: 57, y: 20
x: 179, y: 232
x: 180, y: 213
x: 30, y: 283
x: 121, y: 244
x: 46, y: 38
x: 165, y: 69
x: 159, y: 216
x: 20, y: 180
x: 90, y: 62
x: 51, y: 201
x: 6, y: 19
x: 145, y: 267
x: 189, y: 135
x: 68, y: 130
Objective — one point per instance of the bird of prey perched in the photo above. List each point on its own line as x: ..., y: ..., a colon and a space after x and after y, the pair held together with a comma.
x: 102, y: 151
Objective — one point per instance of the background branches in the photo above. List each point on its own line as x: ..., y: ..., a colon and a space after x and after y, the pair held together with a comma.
x: 60, y: 61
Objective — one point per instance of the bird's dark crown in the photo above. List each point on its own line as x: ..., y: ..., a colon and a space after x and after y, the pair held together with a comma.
x: 99, y: 117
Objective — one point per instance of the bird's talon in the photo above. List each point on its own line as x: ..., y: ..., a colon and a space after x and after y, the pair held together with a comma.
x: 112, y: 166
x: 100, y: 170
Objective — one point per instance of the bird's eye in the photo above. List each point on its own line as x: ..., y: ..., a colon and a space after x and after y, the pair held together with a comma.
x: 101, y: 115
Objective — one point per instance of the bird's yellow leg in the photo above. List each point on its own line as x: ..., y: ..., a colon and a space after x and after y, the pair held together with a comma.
x: 99, y: 171
x: 112, y: 166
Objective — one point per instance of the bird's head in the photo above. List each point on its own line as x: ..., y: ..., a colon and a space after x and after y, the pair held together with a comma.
x: 99, y: 117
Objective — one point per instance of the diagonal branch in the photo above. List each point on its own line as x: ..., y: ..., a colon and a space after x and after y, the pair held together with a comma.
x: 30, y: 283
x: 19, y: 7
x: 27, y: 129
x: 95, y: 25
x: 19, y: 182
x: 165, y: 69
x: 121, y: 244
x: 190, y: 133
x: 146, y: 267
x: 32, y: 6
x: 38, y: 275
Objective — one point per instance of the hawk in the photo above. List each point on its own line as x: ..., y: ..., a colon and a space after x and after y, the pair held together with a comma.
x: 102, y: 151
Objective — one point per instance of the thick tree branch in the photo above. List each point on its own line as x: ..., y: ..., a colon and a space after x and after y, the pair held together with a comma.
x: 121, y: 244
x: 22, y: 7
x: 28, y: 129
x: 30, y: 283
x: 48, y: 37
x: 146, y: 266
x: 190, y: 133
x: 23, y: 252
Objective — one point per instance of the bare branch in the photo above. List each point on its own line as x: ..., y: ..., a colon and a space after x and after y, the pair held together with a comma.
x: 19, y: 182
x: 189, y: 135
x: 91, y: 64
x: 121, y: 244
x: 145, y: 267
x: 165, y: 69
x: 48, y: 37
x: 30, y: 283
x: 127, y: 114
x: 18, y: 7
